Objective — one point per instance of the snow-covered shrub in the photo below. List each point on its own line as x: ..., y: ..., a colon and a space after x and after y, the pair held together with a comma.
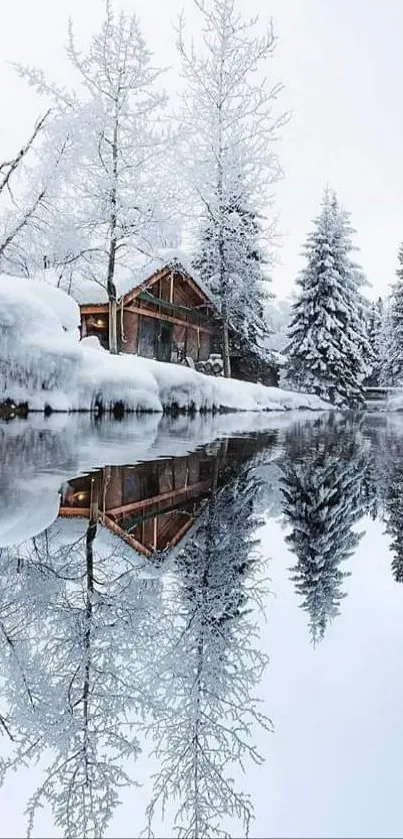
x: 39, y: 342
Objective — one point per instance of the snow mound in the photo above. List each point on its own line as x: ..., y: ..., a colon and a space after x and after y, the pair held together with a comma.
x: 62, y: 304
x: 28, y: 508
x: 39, y: 346
x: 106, y: 380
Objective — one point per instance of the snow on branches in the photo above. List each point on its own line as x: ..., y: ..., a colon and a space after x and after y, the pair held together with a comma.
x: 227, y: 131
x: 328, y: 347
x: 115, y: 142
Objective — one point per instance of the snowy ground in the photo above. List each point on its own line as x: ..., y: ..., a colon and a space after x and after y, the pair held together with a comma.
x: 43, y: 363
x: 395, y: 401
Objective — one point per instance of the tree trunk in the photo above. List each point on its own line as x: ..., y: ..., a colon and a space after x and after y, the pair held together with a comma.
x: 113, y: 332
x: 223, y: 279
x: 224, y: 309
x: 226, y: 353
x: 111, y: 288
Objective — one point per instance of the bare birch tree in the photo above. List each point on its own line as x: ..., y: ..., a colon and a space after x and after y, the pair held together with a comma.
x: 228, y: 131
x: 114, y: 121
x: 18, y: 215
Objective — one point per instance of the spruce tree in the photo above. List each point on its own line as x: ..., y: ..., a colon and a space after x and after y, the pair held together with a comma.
x: 327, y: 345
x: 394, y: 503
x: 375, y: 339
x: 395, y: 355
x: 323, y: 499
x: 245, y: 268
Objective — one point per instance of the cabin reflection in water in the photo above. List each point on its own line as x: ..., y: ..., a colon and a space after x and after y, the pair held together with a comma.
x: 152, y: 505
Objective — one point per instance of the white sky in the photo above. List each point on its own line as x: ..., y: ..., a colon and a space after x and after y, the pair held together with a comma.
x: 341, y: 62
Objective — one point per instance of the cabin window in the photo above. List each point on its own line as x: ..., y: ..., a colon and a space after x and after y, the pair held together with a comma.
x: 141, y: 482
x: 76, y: 493
x: 147, y: 337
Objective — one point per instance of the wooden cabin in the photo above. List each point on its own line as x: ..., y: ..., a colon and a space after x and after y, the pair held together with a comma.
x: 168, y: 317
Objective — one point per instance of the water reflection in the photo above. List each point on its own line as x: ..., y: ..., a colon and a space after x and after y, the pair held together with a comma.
x: 151, y: 506
x: 131, y: 623
x: 102, y: 645
x: 79, y: 655
x: 322, y: 485
x: 211, y: 666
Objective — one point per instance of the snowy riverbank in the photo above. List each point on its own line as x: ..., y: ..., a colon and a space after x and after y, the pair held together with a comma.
x: 43, y: 364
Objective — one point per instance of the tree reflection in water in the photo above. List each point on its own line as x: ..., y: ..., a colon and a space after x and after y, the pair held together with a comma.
x: 84, y: 656
x: 101, y: 646
x: 323, y: 489
x: 208, y: 718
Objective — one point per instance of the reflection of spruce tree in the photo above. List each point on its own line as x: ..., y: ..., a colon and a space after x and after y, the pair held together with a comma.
x: 204, y: 728
x: 375, y: 477
x: 322, y: 489
x: 370, y: 495
x: 394, y: 504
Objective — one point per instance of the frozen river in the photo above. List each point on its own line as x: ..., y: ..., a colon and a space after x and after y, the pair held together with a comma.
x: 201, y: 626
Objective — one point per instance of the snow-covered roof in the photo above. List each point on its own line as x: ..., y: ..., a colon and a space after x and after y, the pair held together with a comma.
x: 89, y: 286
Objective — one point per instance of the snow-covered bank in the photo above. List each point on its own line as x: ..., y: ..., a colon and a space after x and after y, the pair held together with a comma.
x: 43, y: 363
x: 147, y: 385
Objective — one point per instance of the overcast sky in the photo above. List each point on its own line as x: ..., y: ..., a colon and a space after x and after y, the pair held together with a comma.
x: 341, y: 62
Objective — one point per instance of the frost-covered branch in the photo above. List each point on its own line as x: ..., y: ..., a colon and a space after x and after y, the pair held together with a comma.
x: 108, y: 199
x: 227, y: 134
x: 7, y: 168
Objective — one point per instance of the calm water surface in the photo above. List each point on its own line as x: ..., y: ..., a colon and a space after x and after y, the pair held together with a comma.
x: 201, y: 626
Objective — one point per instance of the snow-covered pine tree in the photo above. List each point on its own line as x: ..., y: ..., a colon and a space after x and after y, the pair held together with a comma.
x: 245, y: 265
x: 327, y: 342
x: 385, y: 342
x: 114, y: 148
x: 323, y: 500
x: 227, y: 157
x: 392, y: 478
x: 394, y: 371
x: 374, y: 335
